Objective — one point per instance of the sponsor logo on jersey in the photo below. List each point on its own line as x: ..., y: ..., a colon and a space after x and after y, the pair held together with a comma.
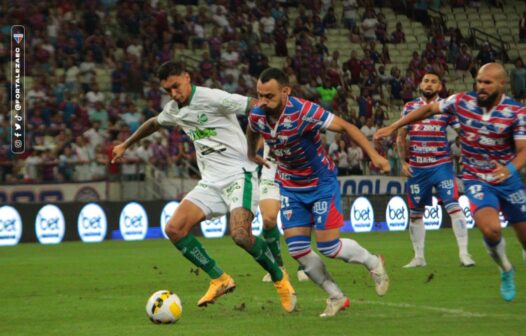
x: 202, y: 118
x: 199, y: 134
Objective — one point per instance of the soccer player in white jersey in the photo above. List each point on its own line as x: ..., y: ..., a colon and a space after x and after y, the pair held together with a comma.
x: 228, y: 180
x: 493, y: 151
x: 430, y: 166
x: 269, y: 204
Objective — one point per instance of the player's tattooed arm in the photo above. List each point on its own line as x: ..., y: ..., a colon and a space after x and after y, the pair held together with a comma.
x: 149, y: 127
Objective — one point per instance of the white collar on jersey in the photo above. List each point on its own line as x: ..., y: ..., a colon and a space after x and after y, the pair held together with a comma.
x: 486, y: 115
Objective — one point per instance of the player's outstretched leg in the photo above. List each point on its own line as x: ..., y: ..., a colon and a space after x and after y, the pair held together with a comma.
x: 177, y: 229
x: 300, y: 249
x: 271, y: 234
x: 351, y: 252
x: 240, y: 230
x: 488, y: 222
x: 417, y: 232
x: 458, y: 222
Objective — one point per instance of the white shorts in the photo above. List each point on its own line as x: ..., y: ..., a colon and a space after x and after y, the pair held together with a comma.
x: 268, y: 189
x: 219, y: 198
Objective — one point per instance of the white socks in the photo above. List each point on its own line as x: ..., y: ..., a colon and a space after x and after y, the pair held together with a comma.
x: 417, y: 232
x: 315, y: 269
x: 498, y: 253
x: 352, y: 252
x: 458, y: 222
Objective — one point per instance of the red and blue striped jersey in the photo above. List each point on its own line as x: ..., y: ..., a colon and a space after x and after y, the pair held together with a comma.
x: 295, y: 141
x: 486, y: 135
x: 428, y: 145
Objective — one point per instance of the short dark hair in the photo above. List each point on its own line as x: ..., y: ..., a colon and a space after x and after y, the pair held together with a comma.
x: 274, y: 73
x: 433, y: 73
x: 170, y: 68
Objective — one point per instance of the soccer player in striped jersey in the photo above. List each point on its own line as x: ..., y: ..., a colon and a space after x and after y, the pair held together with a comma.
x: 430, y: 166
x: 493, y: 136
x: 228, y: 180
x: 309, y: 190
x: 269, y: 207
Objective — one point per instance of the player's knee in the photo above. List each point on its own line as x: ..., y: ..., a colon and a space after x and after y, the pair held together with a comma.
x: 491, y: 233
x: 298, y: 246
x: 242, y: 239
x: 269, y: 222
x: 175, y: 231
x: 330, y: 248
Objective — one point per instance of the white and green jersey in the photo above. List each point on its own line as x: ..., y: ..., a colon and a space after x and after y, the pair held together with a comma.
x: 210, y: 121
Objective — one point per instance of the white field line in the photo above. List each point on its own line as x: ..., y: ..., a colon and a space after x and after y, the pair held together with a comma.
x: 456, y: 312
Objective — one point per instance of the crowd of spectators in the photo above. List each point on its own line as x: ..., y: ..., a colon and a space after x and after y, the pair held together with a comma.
x: 93, y: 69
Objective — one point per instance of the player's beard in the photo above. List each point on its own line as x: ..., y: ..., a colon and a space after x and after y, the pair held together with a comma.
x: 273, y: 111
x: 430, y: 95
x: 488, y: 101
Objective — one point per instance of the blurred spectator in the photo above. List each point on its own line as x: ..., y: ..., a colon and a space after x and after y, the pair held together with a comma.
x: 369, y: 23
x: 352, y: 66
x: 329, y: 19
x: 394, y: 160
x: 381, y: 29
x: 522, y: 28
x: 66, y: 166
x: 486, y: 55
x: 132, y: 117
x: 230, y: 60
x: 369, y: 129
x: 518, y: 80
x: 327, y: 93
x: 355, y: 155
x: 341, y: 158
x: 365, y: 104
x: 398, y: 36
x: 94, y: 96
x: 87, y: 72
x: 118, y: 77
x: 267, y: 25
x: 464, y: 62
x: 350, y: 13
x: 281, y: 35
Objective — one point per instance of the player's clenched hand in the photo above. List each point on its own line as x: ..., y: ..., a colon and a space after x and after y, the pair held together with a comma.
x: 406, y: 170
x: 381, y: 163
x: 260, y: 161
x: 500, y: 173
x: 118, y: 152
x: 383, y: 133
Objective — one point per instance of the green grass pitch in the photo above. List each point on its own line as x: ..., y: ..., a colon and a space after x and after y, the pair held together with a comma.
x: 101, y: 289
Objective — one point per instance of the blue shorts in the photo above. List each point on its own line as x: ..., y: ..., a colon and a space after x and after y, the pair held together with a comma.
x: 320, y: 207
x: 420, y: 185
x: 508, y: 197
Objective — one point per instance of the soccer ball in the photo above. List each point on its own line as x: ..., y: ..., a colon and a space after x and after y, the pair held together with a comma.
x: 164, y: 306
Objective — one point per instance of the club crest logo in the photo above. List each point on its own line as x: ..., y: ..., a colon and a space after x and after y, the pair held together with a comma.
x: 18, y: 38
